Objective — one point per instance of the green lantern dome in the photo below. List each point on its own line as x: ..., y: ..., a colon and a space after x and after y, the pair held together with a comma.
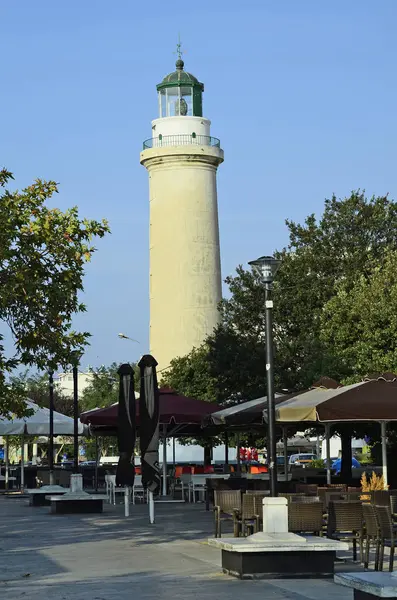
x: 180, y: 93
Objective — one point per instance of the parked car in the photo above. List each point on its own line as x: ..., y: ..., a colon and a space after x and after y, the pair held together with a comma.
x: 301, y: 460
x: 337, y: 465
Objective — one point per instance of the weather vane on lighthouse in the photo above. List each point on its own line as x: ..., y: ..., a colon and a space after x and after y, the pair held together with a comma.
x: 179, y: 50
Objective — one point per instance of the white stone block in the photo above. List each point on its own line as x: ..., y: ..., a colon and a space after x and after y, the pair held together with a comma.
x: 76, y: 483
x: 275, y: 515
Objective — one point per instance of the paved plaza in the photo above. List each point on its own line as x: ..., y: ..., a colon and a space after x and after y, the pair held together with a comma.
x: 108, y: 557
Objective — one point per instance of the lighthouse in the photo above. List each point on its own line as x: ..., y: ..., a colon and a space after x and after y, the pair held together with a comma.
x: 182, y: 159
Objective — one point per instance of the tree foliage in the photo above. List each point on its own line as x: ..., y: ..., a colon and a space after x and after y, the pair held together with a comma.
x: 103, y: 389
x: 43, y: 252
x: 359, y: 323
x: 36, y: 388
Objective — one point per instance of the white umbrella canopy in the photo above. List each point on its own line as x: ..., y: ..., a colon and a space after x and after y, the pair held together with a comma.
x: 39, y: 423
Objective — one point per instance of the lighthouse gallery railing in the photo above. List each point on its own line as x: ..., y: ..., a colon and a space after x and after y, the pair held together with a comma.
x: 181, y: 140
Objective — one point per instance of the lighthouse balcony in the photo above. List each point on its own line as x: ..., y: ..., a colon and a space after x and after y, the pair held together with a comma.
x: 181, y: 140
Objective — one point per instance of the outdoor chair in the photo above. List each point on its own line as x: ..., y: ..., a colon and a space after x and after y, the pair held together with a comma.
x: 304, y: 500
x: 108, y: 487
x: 381, y: 498
x: 176, y: 483
x: 306, y: 488
x: 227, y: 506
x: 290, y: 496
x: 337, y: 486
x: 248, y: 518
x: 197, y: 486
x: 387, y: 534
x: 113, y: 488
x: 305, y: 517
x: 393, y: 504
x: 371, y: 533
x: 138, y: 491
x: 328, y: 494
x: 345, y: 522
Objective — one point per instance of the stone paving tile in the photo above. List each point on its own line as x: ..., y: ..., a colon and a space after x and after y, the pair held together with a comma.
x: 108, y: 557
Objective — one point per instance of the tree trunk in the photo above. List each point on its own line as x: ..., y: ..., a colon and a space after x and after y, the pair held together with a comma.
x: 207, y: 455
x: 346, y: 469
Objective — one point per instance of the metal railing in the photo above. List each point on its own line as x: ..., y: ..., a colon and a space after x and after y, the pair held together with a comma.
x: 181, y: 140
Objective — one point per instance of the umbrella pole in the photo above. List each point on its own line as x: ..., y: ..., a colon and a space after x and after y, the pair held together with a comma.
x: 285, y: 442
x: 7, y: 464
x: 127, y: 501
x: 173, y: 451
x: 96, y: 462
x: 164, y: 460
x: 328, y: 452
x: 22, y: 463
x: 383, y: 425
x: 151, y: 508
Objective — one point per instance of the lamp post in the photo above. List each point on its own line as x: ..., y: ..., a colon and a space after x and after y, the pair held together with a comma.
x: 266, y: 267
x: 75, y: 419
x: 51, y: 436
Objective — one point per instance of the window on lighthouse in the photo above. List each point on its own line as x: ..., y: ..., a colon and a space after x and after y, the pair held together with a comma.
x: 176, y: 102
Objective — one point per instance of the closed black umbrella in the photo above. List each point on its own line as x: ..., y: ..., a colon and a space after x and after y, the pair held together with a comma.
x: 126, y: 427
x: 149, y: 424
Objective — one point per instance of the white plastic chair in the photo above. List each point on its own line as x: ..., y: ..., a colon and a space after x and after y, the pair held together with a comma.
x: 108, y: 487
x: 197, y: 486
x: 114, y: 489
x: 138, y: 491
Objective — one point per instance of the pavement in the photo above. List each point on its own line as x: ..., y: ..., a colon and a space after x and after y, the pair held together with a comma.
x: 110, y: 557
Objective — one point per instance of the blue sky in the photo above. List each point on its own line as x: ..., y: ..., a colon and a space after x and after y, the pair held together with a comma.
x: 301, y: 94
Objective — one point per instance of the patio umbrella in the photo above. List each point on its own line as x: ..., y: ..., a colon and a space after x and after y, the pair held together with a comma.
x: 38, y: 423
x: 176, y: 411
x: 149, y: 429
x: 374, y: 399
x: 125, y: 473
x: 241, y: 414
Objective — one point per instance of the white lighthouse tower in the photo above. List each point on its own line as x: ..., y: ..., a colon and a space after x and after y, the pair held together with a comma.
x: 185, y: 274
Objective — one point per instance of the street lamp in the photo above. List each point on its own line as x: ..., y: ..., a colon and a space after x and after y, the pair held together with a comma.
x: 51, y: 432
x: 122, y: 336
x: 266, y: 267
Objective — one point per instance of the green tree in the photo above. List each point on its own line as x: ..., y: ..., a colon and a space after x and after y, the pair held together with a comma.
x: 103, y: 389
x: 191, y: 375
x: 43, y: 252
x: 359, y: 324
x: 350, y: 239
x: 36, y: 388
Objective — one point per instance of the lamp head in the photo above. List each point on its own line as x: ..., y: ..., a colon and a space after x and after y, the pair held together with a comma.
x: 266, y: 267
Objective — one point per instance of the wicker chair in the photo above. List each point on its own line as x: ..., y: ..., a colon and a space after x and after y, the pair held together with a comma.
x: 290, y: 496
x: 340, y: 487
x: 393, y: 504
x: 304, y: 499
x: 345, y: 522
x: 372, y: 534
x: 306, y: 488
x: 386, y: 533
x: 381, y: 498
x: 305, y: 518
x: 248, y: 518
x: 227, y: 506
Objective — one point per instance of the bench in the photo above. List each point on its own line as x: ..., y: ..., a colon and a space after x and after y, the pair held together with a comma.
x: 370, y: 584
x: 39, y: 496
x: 73, y: 503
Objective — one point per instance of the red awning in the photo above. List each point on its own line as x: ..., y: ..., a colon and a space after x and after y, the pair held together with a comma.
x: 174, y: 408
